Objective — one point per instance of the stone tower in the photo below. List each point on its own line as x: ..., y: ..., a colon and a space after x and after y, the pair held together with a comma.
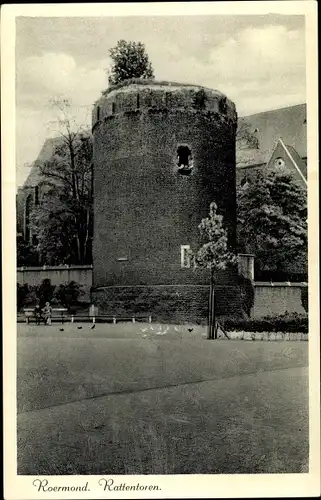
x: 162, y: 153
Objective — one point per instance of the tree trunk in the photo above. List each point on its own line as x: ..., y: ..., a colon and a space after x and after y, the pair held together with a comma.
x: 210, y: 303
x: 78, y: 241
x: 87, y: 234
x: 214, y: 328
x: 211, y: 334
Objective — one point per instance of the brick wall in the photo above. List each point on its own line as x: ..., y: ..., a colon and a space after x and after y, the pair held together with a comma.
x: 172, y: 303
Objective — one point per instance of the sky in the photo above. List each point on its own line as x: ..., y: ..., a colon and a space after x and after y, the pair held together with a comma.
x: 257, y: 61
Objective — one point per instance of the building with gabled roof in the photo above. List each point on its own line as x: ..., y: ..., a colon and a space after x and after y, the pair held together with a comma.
x: 34, y: 178
x: 29, y: 194
x: 280, y: 142
x: 287, y: 158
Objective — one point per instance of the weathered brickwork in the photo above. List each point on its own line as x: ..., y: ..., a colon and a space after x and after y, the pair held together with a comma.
x: 174, y: 303
x: 144, y: 209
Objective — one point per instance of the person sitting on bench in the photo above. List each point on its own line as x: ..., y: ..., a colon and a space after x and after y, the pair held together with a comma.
x: 47, y: 310
x: 38, y: 314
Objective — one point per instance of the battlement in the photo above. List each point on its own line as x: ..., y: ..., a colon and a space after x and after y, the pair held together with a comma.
x: 139, y: 96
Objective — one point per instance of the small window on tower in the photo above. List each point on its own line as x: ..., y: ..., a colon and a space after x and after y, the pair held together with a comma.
x: 98, y: 113
x: 185, y: 256
x: 184, y: 160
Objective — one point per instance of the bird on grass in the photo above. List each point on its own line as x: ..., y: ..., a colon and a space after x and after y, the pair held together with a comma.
x: 61, y: 330
x: 190, y: 329
x: 93, y: 327
x: 79, y: 327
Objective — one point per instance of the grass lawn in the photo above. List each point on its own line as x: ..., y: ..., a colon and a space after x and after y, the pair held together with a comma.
x: 124, y: 399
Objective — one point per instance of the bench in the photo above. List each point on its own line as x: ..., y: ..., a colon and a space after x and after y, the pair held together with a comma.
x: 57, y: 312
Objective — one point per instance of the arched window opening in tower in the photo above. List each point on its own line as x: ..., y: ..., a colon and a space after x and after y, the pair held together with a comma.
x: 98, y: 113
x: 184, y: 160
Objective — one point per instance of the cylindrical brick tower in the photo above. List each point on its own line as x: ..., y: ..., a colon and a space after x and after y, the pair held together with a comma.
x: 162, y: 153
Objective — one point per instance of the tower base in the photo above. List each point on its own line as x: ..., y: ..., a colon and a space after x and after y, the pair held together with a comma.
x: 167, y: 303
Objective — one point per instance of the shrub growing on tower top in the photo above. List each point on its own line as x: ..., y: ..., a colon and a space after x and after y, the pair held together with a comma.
x: 130, y: 60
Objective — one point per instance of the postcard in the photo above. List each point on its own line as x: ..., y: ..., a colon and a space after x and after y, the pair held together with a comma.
x: 160, y: 243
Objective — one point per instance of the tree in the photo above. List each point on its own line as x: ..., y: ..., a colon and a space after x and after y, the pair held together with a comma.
x: 45, y: 292
x: 130, y: 60
x: 68, y: 294
x: 22, y: 292
x: 245, y: 137
x: 63, y: 221
x: 26, y: 254
x: 213, y: 255
x: 272, y: 221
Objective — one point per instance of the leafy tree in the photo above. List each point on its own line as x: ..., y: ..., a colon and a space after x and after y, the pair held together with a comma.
x: 26, y: 253
x: 272, y: 221
x: 245, y: 137
x: 22, y: 292
x: 130, y: 60
x: 68, y: 294
x: 45, y: 292
x: 63, y: 221
x: 213, y: 255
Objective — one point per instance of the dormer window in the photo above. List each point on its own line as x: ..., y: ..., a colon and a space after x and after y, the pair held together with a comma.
x: 184, y: 160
